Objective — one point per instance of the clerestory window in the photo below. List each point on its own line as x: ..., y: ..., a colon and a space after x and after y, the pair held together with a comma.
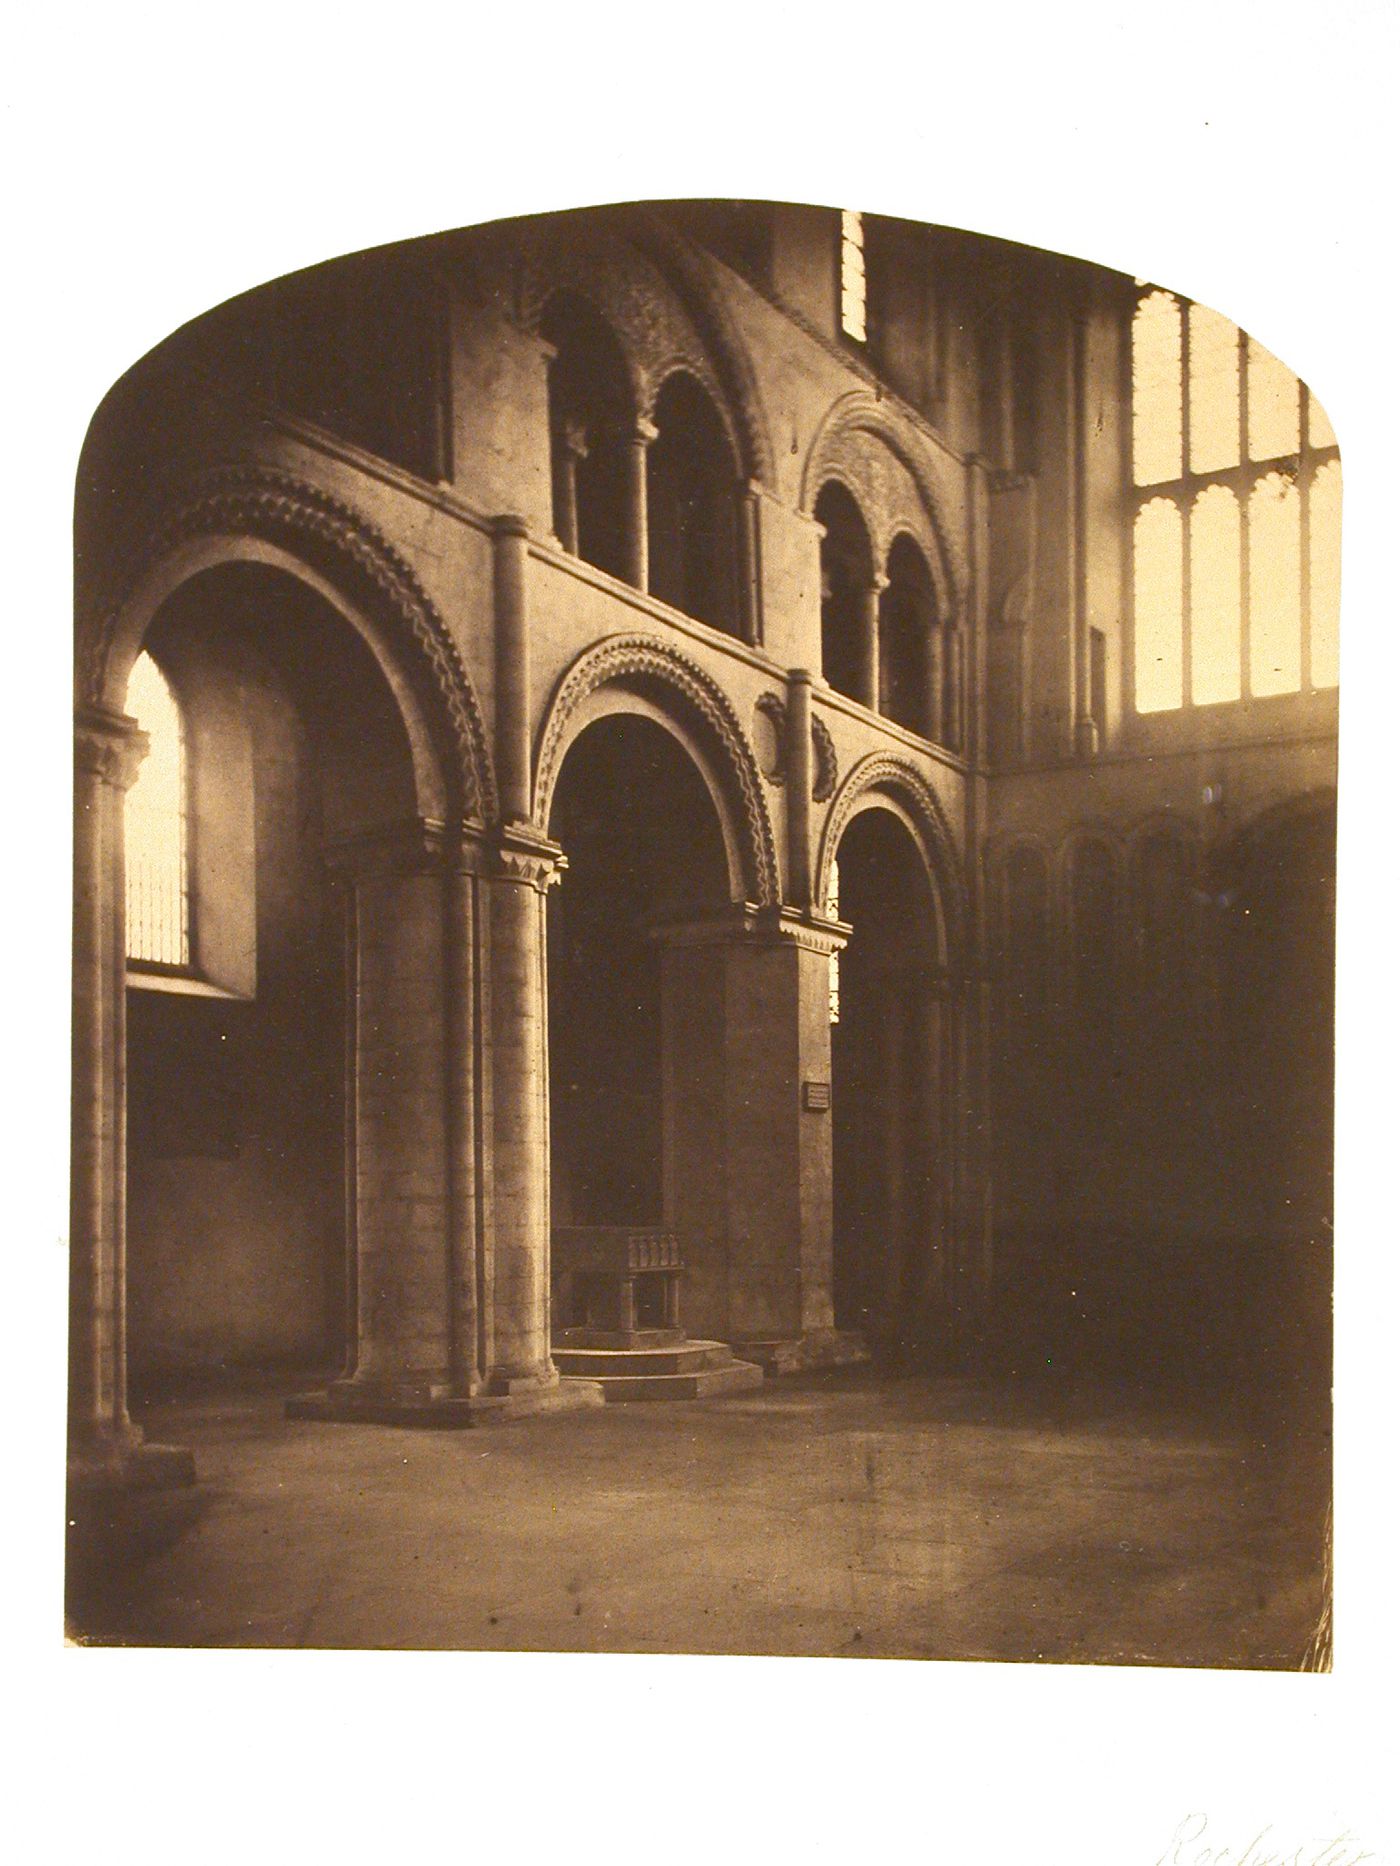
x: 1237, y: 515
x: 853, y: 276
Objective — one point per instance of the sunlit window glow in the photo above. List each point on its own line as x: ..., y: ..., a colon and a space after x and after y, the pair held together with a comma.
x: 1325, y: 569
x: 157, y: 895
x: 1259, y: 486
x: 853, y: 275
x: 1157, y: 606
x: 1275, y: 584
x: 1157, y: 389
x: 1273, y: 405
x: 1215, y: 391
x: 1319, y: 427
x: 1215, y: 597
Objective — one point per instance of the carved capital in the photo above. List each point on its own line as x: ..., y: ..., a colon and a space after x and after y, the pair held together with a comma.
x: 814, y: 933
x: 746, y: 924
x: 108, y: 747
x: 526, y: 858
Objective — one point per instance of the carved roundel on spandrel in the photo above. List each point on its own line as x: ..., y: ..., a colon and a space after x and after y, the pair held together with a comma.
x: 770, y: 742
x: 769, y: 726
x: 824, y: 766
x: 330, y: 536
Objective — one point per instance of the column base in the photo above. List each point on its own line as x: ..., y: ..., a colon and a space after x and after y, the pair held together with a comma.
x: 345, y: 1403
x: 129, y: 1464
x: 819, y: 1347
x: 126, y: 1502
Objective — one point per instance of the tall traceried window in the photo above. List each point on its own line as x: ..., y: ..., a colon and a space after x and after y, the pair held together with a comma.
x: 157, y: 859
x: 1237, y: 520
x: 853, y: 276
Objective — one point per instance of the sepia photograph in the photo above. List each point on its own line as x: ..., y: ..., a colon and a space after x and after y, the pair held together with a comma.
x: 706, y: 828
x: 726, y: 1006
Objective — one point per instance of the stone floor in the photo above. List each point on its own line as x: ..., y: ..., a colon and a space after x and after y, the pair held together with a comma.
x: 845, y: 1513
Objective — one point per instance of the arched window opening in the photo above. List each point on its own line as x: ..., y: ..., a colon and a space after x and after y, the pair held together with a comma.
x: 157, y: 858
x: 1241, y: 600
x: 853, y: 284
x: 1157, y: 606
x: 848, y: 579
x: 1275, y: 576
x: 589, y: 417
x: 1215, y: 596
x: 912, y: 670
x: 692, y: 544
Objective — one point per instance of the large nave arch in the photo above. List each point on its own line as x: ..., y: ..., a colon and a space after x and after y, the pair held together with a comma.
x: 690, y: 704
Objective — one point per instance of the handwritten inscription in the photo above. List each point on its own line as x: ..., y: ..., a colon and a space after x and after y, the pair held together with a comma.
x: 1194, y: 1844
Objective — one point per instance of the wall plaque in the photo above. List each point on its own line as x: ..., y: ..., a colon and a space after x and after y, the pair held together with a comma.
x: 816, y: 1097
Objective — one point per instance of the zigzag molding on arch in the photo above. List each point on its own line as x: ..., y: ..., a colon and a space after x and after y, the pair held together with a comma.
x: 837, y: 452
x: 886, y: 772
x: 622, y: 659
x: 328, y: 535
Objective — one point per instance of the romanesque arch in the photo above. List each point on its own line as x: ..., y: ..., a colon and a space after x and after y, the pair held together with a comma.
x: 682, y: 691
x: 666, y: 313
x: 889, y: 779
x: 861, y: 445
x: 235, y: 513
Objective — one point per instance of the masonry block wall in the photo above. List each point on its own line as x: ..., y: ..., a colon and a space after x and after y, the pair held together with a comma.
x: 443, y: 640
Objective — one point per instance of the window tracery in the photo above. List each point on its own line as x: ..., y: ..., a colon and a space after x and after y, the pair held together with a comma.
x: 1236, y: 526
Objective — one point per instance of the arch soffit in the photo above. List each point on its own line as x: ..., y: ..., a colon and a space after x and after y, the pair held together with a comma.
x: 238, y: 514
x: 660, y: 325
x: 861, y: 445
x: 704, y: 719
x: 883, y: 779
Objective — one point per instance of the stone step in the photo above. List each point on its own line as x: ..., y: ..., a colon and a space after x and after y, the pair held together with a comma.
x: 683, y: 1358
x: 827, y: 1348
x: 703, y: 1383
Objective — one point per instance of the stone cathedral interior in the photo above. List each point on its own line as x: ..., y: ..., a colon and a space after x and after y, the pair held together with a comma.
x: 716, y: 803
